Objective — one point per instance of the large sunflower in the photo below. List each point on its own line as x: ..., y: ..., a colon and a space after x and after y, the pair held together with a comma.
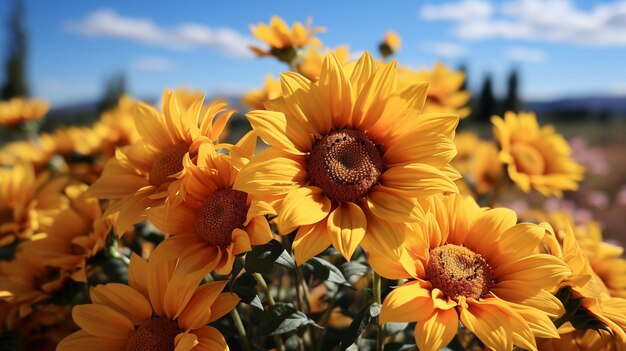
x: 537, y: 158
x: 284, y: 41
x: 214, y: 222
x: 162, y: 308
x: 345, y: 149
x: 445, y: 92
x: 18, y: 110
x: 28, y: 203
x: 472, y: 265
x: 139, y: 176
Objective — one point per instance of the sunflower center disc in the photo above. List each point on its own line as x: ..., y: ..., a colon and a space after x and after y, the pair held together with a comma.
x: 527, y: 159
x: 345, y: 163
x: 219, y: 214
x: 458, y: 271
x: 156, y: 334
x: 167, y: 163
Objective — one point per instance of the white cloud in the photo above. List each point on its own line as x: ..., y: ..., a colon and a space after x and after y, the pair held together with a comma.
x: 445, y: 49
x: 603, y: 25
x: 107, y: 23
x: 523, y: 54
x: 458, y: 11
x: 152, y: 64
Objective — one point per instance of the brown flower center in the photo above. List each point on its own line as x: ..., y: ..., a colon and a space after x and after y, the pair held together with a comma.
x: 156, y: 334
x: 458, y: 271
x: 219, y: 214
x: 167, y: 163
x: 345, y: 163
x: 528, y: 159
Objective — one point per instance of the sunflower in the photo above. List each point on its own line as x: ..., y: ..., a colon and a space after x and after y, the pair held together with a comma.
x: 140, y: 174
x: 588, y: 286
x: 256, y: 98
x: 79, y: 232
x: 311, y: 64
x: 445, y: 90
x: 28, y: 203
x: 466, y: 143
x: 344, y: 150
x: 19, y: 110
x: 215, y: 222
x: 537, y: 158
x: 390, y: 45
x: 486, y: 170
x: 473, y: 265
x: 284, y: 42
x: 162, y: 308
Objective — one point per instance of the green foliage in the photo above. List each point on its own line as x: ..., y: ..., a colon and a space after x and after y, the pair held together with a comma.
x: 262, y: 258
x: 114, y: 88
x: 283, y: 318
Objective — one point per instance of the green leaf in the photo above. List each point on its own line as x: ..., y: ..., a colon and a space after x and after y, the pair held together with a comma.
x: 353, y: 268
x: 282, y: 318
x: 262, y: 257
x: 324, y: 270
x: 358, y: 325
x: 245, y: 287
x: 575, y: 313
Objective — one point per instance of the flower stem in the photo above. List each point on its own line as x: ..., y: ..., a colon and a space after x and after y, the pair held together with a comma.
x: 245, y: 343
x: 270, y: 299
x: 380, y: 337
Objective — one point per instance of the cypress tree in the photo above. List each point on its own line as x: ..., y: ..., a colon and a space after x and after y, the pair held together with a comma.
x: 15, y: 83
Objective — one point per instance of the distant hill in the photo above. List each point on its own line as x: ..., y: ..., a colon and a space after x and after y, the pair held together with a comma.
x: 589, y: 107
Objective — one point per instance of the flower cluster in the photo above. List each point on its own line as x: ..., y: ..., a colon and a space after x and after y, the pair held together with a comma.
x: 146, y: 229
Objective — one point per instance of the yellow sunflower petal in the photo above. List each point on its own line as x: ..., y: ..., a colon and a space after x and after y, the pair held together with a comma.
x: 259, y: 231
x: 224, y: 303
x: 337, y: 89
x: 123, y: 299
x: 185, y: 342
x: 138, y: 274
x: 310, y: 241
x: 485, y: 321
x: 102, y: 321
x: 210, y: 340
x: 271, y: 172
x: 407, y: 303
x: 437, y: 331
x: 81, y: 340
x: 277, y: 131
x: 389, y: 206
x: 417, y: 179
x: 198, y: 310
x: 302, y: 206
x: 346, y: 226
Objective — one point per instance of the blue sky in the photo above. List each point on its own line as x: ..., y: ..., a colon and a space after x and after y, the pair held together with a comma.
x: 561, y: 47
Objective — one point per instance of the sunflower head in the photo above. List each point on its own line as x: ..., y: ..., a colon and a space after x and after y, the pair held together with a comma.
x: 347, y: 149
x: 163, y: 307
x: 390, y: 45
x: 445, y: 91
x: 536, y: 157
x: 284, y: 42
x: 212, y: 223
x: 465, y: 264
x: 140, y: 175
x: 19, y: 110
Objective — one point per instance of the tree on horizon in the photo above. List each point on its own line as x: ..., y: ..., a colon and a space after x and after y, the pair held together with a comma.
x: 15, y: 67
